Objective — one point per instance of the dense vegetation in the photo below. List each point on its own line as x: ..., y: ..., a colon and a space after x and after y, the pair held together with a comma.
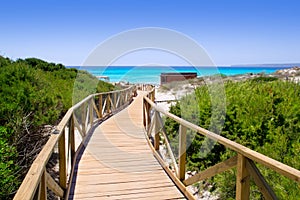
x: 262, y: 114
x: 34, y: 93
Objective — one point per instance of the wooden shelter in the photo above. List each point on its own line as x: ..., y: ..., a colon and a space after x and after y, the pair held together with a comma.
x: 171, y: 77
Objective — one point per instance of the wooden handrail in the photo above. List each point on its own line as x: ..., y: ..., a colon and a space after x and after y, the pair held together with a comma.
x: 244, y: 162
x: 38, y: 179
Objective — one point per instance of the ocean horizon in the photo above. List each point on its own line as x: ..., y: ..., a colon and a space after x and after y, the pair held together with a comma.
x: 151, y: 74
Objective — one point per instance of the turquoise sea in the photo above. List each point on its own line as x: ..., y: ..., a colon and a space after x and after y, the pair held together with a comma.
x: 146, y: 74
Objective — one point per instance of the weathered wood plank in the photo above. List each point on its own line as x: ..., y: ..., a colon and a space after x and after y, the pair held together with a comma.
x: 149, y: 131
x: 149, y: 193
x: 212, y: 171
x: 115, y: 101
x: 279, y: 167
x: 156, y: 131
x: 34, y: 179
x: 91, y: 112
x: 96, y: 109
x: 53, y: 186
x: 121, y: 176
x: 62, y: 161
x: 242, y: 179
x: 104, y: 106
x: 260, y: 181
x: 119, y: 186
x: 117, y: 161
x: 100, y: 106
x: 182, y: 152
x: 72, y: 138
x: 83, y: 118
x: 108, y: 103
x: 167, y: 143
x: 110, y: 171
x: 174, y: 178
x: 76, y: 124
x: 43, y: 187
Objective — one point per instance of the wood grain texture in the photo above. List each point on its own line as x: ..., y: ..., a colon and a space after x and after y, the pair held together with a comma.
x: 212, y: 171
x: 117, y: 162
x: 182, y: 152
x: 260, y: 181
x: 53, y: 186
x: 275, y: 165
x: 242, y: 179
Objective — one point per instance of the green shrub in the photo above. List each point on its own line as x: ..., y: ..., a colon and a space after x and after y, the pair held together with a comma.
x: 8, y: 169
x: 262, y: 114
x: 34, y: 93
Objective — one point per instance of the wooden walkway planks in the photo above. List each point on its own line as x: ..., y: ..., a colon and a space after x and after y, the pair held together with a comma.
x: 117, y: 163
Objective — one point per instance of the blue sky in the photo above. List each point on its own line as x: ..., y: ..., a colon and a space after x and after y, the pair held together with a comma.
x: 231, y: 31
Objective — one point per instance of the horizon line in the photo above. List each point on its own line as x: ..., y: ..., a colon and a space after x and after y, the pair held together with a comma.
x: 234, y: 65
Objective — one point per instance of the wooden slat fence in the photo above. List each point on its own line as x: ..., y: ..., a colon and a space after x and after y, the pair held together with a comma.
x: 81, y: 118
x: 243, y: 161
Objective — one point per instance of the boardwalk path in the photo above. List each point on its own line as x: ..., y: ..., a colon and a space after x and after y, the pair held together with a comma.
x: 118, y: 163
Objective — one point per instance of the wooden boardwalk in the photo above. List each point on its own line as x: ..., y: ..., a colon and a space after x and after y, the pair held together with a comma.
x: 117, y: 162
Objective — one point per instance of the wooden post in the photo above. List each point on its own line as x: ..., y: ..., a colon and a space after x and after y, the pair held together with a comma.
x: 83, y: 118
x: 43, y: 187
x: 126, y: 97
x: 129, y: 95
x: 144, y: 113
x: 115, y: 100
x: 62, y: 161
x: 119, y: 102
x: 153, y: 96
x: 123, y: 98
x: 242, y: 179
x: 100, y: 106
x: 91, y: 112
x: 156, y: 133
x: 148, y: 115
x: 182, y: 152
x: 135, y: 92
x: 72, y: 138
x: 119, y: 97
x: 108, y: 103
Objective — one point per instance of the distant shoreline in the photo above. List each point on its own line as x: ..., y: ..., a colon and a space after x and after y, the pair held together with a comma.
x: 167, y: 95
x: 151, y: 75
x: 182, y: 66
x: 285, y: 65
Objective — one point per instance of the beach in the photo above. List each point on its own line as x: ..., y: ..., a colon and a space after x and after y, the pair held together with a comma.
x: 151, y: 74
x: 167, y: 95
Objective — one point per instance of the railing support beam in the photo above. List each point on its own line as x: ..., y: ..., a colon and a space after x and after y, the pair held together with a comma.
x: 91, y: 112
x: 182, y: 152
x: 108, y: 106
x: 37, y: 180
x: 157, y: 128
x: 43, y: 187
x: 100, y: 106
x: 83, y: 119
x: 72, y: 138
x: 260, y: 181
x: 242, y: 179
x: 62, y: 162
x: 115, y: 101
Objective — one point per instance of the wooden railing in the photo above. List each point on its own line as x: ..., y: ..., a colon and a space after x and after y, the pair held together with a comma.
x: 243, y: 161
x: 79, y: 119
